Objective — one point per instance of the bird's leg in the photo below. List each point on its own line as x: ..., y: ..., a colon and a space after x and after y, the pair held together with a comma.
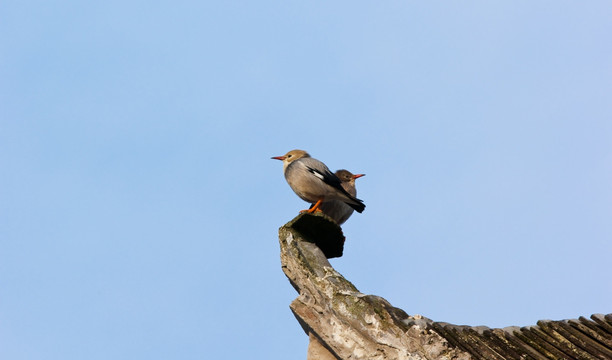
x: 315, y: 207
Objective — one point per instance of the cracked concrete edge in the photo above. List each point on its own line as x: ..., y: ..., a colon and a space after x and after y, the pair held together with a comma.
x: 349, y: 324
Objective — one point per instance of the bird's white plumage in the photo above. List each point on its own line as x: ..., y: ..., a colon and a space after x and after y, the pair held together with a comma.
x: 317, y: 174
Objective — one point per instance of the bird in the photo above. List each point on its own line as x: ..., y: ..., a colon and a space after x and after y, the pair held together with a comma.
x: 338, y: 210
x: 313, y: 182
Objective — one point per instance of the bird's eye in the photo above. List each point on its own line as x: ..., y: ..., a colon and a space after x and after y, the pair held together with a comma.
x: 288, y: 156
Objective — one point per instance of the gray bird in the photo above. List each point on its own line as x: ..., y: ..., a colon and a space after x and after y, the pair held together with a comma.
x: 313, y: 182
x: 338, y: 210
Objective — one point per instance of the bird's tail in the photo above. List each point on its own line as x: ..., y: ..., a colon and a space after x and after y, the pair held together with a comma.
x: 356, y: 204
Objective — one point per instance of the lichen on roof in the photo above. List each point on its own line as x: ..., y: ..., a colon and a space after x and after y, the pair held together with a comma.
x: 352, y: 325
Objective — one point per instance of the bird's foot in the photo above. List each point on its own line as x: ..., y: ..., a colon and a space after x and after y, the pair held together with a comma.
x: 311, y: 210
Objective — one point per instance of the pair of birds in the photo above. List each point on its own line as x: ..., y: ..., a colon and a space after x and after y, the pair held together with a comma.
x: 313, y: 182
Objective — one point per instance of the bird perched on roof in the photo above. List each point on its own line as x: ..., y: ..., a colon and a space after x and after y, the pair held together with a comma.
x: 338, y: 210
x: 313, y: 182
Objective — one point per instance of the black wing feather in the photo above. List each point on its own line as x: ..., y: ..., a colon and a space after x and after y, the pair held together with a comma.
x: 328, y: 177
x: 332, y: 180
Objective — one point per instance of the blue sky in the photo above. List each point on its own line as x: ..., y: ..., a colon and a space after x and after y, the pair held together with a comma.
x: 139, y: 207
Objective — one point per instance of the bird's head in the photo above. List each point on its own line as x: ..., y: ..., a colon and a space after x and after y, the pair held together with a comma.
x: 347, y: 176
x: 291, y: 156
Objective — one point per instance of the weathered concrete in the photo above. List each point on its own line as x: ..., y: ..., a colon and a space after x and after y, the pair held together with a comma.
x: 349, y: 324
x: 342, y: 323
x: 316, y: 351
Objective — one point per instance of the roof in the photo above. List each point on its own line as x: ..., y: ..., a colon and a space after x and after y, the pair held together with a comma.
x: 565, y: 339
x: 352, y: 325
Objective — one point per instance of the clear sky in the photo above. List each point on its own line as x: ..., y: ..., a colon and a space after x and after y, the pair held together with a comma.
x: 139, y: 206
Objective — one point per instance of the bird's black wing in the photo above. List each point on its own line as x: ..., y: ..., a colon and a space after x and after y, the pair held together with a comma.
x: 332, y: 180
x: 327, y: 177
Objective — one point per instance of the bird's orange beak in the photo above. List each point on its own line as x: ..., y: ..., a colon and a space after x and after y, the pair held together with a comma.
x: 278, y: 157
x: 357, y: 176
